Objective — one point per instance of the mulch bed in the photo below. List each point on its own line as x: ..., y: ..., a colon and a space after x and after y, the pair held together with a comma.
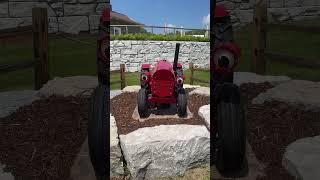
x: 122, y: 107
x: 41, y: 141
x: 272, y: 126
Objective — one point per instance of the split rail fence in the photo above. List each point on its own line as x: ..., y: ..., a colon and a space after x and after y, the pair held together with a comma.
x: 39, y: 31
x: 260, y: 53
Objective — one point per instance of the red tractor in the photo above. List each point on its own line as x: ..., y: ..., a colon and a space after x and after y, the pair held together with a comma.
x: 228, y: 125
x: 162, y: 85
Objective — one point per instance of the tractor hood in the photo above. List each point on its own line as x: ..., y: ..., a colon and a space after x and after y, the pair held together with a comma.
x: 162, y: 65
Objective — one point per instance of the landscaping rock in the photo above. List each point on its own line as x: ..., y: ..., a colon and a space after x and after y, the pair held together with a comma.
x: 205, y: 91
x: 116, y: 164
x: 11, y: 101
x: 131, y: 89
x: 5, y: 175
x: 188, y: 86
x: 204, y: 112
x: 165, y: 150
x: 115, y: 93
x: 82, y: 168
x: 248, y: 77
x: 302, y: 158
x: 301, y: 92
x: 69, y: 86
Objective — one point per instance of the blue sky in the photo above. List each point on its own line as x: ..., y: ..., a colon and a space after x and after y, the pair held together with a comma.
x: 186, y: 13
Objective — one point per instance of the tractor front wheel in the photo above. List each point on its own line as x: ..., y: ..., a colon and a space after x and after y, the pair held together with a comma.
x: 182, y: 104
x: 231, y: 137
x: 142, y: 103
x: 98, y: 131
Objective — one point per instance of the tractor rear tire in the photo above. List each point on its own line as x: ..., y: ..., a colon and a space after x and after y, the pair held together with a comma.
x: 231, y: 141
x: 98, y: 131
x: 143, y: 103
x: 182, y: 104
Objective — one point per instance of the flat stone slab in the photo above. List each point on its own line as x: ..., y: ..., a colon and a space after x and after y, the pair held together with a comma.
x: 5, y: 175
x: 256, y: 168
x: 69, y: 86
x: 165, y: 150
x: 116, y: 164
x: 302, y: 92
x: 115, y: 93
x: 162, y: 113
x: 11, y: 101
x: 248, y: 77
x: 204, y: 112
x: 82, y: 168
x: 302, y: 158
x: 204, y: 91
x: 131, y: 89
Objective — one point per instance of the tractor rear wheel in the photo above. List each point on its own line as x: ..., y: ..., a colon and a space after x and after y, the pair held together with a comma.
x: 142, y: 103
x: 231, y: 140
x: 182, y: 104
x: 98, y: 131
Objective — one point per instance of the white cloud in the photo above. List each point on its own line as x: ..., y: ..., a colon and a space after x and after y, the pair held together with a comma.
x: 171, y: 25
x: 206, y: 20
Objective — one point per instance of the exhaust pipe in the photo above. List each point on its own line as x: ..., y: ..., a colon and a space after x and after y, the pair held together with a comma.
x: 176, y: 56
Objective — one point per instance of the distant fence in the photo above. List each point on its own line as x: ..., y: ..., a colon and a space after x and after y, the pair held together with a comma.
x: 259, y: 37
x: 193, y: 79
x: 130, y: 29
x: 39, y: 31
x: 122, y: 80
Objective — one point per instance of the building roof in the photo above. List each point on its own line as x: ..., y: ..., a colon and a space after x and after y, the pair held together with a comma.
x: 123, y: 18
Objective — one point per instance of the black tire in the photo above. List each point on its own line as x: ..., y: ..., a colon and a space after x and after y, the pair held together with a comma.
x: 98, y: 133
x: 182, y: 104
x: 142, y: 103
x: 231, y: 141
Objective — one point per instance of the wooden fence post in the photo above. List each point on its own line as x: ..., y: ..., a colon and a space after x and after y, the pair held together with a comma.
x: 191, y: 73
x: 258, y: 63
x: 122, y: 76
x: 40, y: 45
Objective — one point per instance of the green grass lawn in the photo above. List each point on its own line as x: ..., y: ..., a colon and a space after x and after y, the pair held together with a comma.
x: 68, y: 58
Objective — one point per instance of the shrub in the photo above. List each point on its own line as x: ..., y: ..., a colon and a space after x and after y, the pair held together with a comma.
x: 159, y: 37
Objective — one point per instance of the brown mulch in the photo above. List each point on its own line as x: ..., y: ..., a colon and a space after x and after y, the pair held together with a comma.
x: 41, y: 141
x: 122, y: 107
x: 272, y: 126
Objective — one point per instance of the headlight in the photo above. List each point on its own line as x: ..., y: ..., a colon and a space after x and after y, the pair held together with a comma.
x: 224, y: 58
x: 144, y: 77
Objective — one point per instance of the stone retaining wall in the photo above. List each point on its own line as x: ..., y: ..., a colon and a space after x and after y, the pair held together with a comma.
x: 278, y: 10
x: 135, y: 53
x: 73, y: 16
x: 70, y: 16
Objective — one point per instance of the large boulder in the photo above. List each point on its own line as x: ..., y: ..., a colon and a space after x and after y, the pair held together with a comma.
x: 69, y: 86
x: 5, y: 175
x: 204, y: 112
x: 302, y: 158
x: 302, y: 92
x: 12, y: 100
x: 131, y: 89
x: 165, y: 150
x: 116, y: 164
x: 248, y: 77
x: 204, y: 91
